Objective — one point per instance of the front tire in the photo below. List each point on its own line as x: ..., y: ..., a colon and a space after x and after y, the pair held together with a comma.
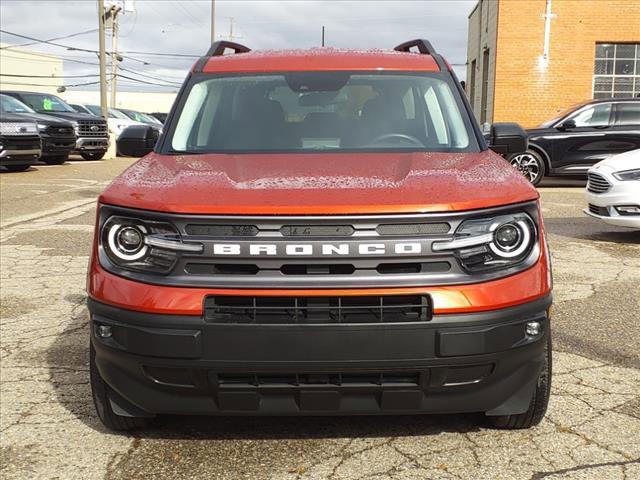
x: 93, y: 155
x: 17, y: 168
x: 99, y: 392
x: 55, y: 159
x: 530, y: 164
x: 539, y: 402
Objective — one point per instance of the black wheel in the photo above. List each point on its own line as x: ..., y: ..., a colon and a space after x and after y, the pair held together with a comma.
x: 93, y: 155
x: 539, y: 402
x: 530, y: 164
x: 55, y: 159
x: 99, y: 391
x: 17, y: 168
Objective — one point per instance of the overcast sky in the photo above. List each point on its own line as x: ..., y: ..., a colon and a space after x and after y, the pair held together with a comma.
x: 183, y: 27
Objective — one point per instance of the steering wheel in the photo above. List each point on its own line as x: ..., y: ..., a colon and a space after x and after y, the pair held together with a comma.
x: 397, y: 136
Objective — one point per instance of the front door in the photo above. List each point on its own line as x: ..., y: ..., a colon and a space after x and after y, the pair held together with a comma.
x: 576, y: 149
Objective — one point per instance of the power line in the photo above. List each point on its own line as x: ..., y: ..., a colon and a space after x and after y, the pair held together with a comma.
x: 49, y: 40
x: 157, y: 54
x: 149, y: 76
x: 45, y: 76
x: 145, y: 82
x: 68, y: 47
x: 49, y: 85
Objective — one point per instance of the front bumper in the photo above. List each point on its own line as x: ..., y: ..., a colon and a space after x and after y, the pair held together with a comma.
x: 9, y: 156
x: 90, y: 144
x: 57, y: 145
x: 178, y: 364
x: 620, y: 193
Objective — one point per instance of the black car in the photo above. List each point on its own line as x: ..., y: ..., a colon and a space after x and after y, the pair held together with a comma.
x: 58, y: 136
x: 92, y: 132
x: 162, y: 117
x: 19, y: 142
x: 580, y: 137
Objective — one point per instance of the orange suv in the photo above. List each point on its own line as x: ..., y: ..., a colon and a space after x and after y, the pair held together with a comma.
x: 320, y: 232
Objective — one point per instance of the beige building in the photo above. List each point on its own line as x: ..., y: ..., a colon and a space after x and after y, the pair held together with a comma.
x: 530, y: 59
x: 143, y: 101
x: 37, y: 70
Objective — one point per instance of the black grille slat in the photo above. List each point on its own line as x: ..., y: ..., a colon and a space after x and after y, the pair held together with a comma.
x: 597, y: 183
x: 317, y: 310
x: 413, y: 228
x: 596, y: 210
x: 337, y: 379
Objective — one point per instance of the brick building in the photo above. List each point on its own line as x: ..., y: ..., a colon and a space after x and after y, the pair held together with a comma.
x: 530, y: 59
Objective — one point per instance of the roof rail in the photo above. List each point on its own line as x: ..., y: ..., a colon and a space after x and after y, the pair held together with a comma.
x: 425, y: 48
x: 217, y: 48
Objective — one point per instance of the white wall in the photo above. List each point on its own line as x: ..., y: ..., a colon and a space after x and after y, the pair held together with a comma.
x: 19, y: 61
x: 143, y: 101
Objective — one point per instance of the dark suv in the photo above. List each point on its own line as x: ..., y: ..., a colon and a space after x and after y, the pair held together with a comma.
x: 578, y: 138
x: 92, y: 133
x: 57, y: 135
x: 19, y: 142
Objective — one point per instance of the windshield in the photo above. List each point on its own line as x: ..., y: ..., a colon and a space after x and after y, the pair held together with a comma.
x: 337, y: 111
x: 96, y: 110
x: 45, y: 103
x: 561, y: 115
x: 11, y: 105
x: 140, y: 117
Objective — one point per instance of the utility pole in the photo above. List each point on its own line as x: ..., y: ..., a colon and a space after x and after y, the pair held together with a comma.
x: 323, y: 35
x: 231, y: 29
x: 113, y: 16
x: 213, y: 21
x: 103, y: 68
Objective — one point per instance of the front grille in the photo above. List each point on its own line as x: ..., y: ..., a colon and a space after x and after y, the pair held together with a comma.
x: 597, y: 183
x: 320, y: 252
x: 366, y: 378
x: 92, y: 128
x: 60, y: 131
x: 318, y: 310
x: 21, y: 143
x: 596, y: 210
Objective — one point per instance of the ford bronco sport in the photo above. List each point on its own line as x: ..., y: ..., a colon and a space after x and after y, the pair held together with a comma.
x: 320, y: 232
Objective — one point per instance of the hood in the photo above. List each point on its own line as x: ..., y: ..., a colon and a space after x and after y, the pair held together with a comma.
x: 45, y: 119
x: 74, y: 116
x: 14, y: 117
x: 617, y: 163
x: 319, y: 183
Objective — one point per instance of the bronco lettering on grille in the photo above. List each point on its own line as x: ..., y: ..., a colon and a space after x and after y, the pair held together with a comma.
x: 318, y: 249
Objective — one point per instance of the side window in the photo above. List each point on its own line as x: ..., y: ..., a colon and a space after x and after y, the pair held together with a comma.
x: 596, y: 116
x: 629, y: 113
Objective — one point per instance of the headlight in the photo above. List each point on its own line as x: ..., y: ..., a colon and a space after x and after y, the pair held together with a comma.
x: 143, y: 245
x: 492, y: 243
x: 628, y: 174
x: 42, y: 127
x: 76, y: 127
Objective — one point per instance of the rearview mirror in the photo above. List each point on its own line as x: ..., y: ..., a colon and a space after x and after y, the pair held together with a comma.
x: 567, y: 124
x: 507, y: 138
x: 137, y: 140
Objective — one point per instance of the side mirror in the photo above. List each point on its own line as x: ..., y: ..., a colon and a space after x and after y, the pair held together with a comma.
x: 566, y: 125
x: 137, y: 140
x: 508, y: 138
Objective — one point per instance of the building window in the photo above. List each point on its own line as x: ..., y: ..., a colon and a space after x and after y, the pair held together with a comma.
x: 472, y: 84
x: 485, y: 86
x: 617, y: 70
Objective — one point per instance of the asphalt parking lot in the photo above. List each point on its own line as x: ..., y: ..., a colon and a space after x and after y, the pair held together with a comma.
x: 48, y: 428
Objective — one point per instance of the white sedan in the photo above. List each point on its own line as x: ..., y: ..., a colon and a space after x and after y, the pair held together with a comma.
x: 613, y: 190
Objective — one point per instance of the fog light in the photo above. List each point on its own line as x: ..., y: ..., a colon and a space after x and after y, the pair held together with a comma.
x: 533, y: 328
x: 104, y: 331
x: 628, y: 210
